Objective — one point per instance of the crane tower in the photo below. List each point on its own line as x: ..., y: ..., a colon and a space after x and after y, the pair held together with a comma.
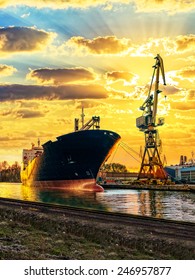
x: 151, y: 165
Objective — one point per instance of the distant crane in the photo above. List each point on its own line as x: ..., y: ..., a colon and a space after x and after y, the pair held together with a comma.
x: 151, y: 165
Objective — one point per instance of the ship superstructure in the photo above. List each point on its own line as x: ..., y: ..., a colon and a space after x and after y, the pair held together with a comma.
x: 29, y: 154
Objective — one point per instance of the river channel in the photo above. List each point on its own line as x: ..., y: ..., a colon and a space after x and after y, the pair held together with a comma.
x: 170, y: 205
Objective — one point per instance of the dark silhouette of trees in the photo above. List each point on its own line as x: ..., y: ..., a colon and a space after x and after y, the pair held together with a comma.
x: 9, y: 173
x: 114, y: 167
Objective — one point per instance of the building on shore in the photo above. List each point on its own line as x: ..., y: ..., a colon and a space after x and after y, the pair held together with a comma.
x: 183, y: 172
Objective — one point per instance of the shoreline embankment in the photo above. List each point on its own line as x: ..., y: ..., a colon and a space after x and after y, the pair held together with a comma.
x: 40, y: 232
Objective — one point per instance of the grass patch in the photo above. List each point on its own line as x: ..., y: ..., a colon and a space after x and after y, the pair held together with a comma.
x: 34, y: 235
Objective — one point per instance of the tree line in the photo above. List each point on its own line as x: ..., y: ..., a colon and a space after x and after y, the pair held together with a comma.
x: 114, y: 167
x: 9, y: 173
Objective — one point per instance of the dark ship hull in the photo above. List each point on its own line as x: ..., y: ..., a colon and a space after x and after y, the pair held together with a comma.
x: 71, y: 162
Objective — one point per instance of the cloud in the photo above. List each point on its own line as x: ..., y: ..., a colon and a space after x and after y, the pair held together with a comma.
x: 188, y: 59
x: 187, y: 73
x: 62, y: 4
x: 26, y: 114
x: 6, y: 70
x: 63, y: 121
x: 22, y: 113
x: 125, y: 76
x: 191, y: 94
x: 111, y: 45
x: 154, y: 45
x: 23, y: 39
x: 61, y: 76
x: 25, y: 15
x: 88, y: 104
x: 5, y: 138
x: 57, y: 4
x: 100, y: 45
x: 172, y: 6
x: 183, y: 105
x: 183, y: 117
x: 185, y: 42
x: 29, y: 104
x: 170, y: 46
x: 30, y: 92
x: 171, y: 90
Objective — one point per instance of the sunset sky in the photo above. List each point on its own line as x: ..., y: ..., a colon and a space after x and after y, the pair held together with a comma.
x: 57, y: 56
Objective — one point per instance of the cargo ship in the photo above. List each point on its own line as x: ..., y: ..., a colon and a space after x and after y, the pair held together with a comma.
x: 72, y: 161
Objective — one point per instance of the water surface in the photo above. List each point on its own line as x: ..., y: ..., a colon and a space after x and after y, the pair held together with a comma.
x: 159, y: 204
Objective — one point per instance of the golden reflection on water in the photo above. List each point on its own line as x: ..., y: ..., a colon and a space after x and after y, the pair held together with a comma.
x: 135, y: 202
x: 159, y: 204
x: 10, y: 190
x: 28, y: 193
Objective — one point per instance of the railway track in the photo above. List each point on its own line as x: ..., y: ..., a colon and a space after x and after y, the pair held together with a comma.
x: 161, y: 227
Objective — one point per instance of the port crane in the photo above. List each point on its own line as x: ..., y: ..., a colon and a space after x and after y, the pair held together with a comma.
x: 151, y: 164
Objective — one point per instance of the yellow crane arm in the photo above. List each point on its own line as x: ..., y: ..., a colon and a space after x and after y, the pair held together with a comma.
x: 159, y: 66
x: 162, y: 68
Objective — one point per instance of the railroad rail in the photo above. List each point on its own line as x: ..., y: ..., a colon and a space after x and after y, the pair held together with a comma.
x: 166, y: 228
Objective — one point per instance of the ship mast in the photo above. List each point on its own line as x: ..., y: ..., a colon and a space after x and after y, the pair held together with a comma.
x: 94, y: 122
x: 83, y: 117
x: 38, y: 142
x: 151, y: 165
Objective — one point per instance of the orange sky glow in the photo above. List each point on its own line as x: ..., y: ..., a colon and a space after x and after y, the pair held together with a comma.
x: 57, y: 56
